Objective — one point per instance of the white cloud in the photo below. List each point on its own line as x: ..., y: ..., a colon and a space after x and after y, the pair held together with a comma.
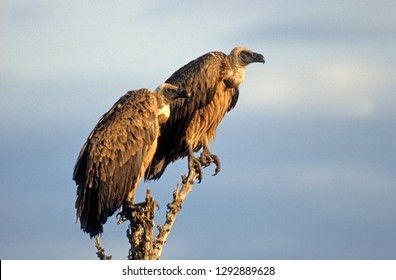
x: 86, y: 40
x: 348, y: 88
x: 338, y: 178
x: 342, y: 87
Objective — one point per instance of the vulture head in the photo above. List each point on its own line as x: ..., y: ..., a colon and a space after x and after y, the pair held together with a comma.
x: 171, y: 92
x: 243, y: 56
x: 168, y: 93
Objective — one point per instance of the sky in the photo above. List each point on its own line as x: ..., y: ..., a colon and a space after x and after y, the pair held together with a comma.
x: 308, y: 154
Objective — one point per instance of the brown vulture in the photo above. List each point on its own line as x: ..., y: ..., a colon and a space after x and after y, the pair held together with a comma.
x: 117, y: 152
x: 213, y: 81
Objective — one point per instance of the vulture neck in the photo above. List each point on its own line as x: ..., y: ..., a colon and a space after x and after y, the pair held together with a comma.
x: 163, y: 110
x: 238, y: 73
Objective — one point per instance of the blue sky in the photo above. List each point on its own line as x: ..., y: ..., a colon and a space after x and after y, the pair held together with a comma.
x: 308, y: 154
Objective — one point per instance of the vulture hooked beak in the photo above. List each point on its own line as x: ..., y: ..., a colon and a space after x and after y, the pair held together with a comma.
x: 182, y: 93
x: 258, y: 57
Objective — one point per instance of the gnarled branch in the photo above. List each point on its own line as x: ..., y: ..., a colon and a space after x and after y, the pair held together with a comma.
x: 140, y: 233
x: 144, y: 245
x: 101, y: 251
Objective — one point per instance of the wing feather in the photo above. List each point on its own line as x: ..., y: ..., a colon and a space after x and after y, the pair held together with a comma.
x: 110, y: 161
x: 200, y: 78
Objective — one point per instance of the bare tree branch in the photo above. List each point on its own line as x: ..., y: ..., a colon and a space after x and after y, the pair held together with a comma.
x: 141, y: 230
x: 179, y: 195
x: 101, y: 251
x: 140, y: 233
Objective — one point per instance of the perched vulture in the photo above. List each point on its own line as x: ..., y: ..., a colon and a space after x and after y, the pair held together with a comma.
x: 213, y: 81
x: 117, y: 152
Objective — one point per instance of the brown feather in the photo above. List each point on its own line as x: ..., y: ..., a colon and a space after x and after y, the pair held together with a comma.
x: 117, y: 152
x: 114, y: 158
x: 213, y: 81
x: 193, y: 122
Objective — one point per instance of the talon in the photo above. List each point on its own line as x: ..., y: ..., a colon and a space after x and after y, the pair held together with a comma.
x: 207, y: 159
x: 196, y: 165
x: 216, y: 161
x: 127, y: 209
x: 121, y: 216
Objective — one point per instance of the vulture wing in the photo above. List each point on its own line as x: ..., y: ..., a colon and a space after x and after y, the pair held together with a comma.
x: 109, y: 164
x: 200, y: 78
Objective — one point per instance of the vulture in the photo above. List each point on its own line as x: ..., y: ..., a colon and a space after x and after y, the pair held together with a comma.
x: 117, y: 152
x: 212, y: 80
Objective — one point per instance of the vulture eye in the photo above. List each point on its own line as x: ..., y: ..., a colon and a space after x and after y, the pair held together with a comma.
x: 245, y: 54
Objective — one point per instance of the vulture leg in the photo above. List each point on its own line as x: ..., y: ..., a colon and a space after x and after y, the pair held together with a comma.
x: 193, y: 164
x: 127, y: 211
x: 207, y: 159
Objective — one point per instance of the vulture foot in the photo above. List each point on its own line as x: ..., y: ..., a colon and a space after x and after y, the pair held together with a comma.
x: 127, y: 211
x: 193, y: 164
x: 207, y: 159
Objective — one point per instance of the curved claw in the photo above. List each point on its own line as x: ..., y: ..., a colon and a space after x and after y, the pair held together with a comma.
x: 194, y: 169
x: 121, y: 216
x: 127, y: 209
x: 207, y: 159
x: 216, y: 161
x: 195, y: 164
